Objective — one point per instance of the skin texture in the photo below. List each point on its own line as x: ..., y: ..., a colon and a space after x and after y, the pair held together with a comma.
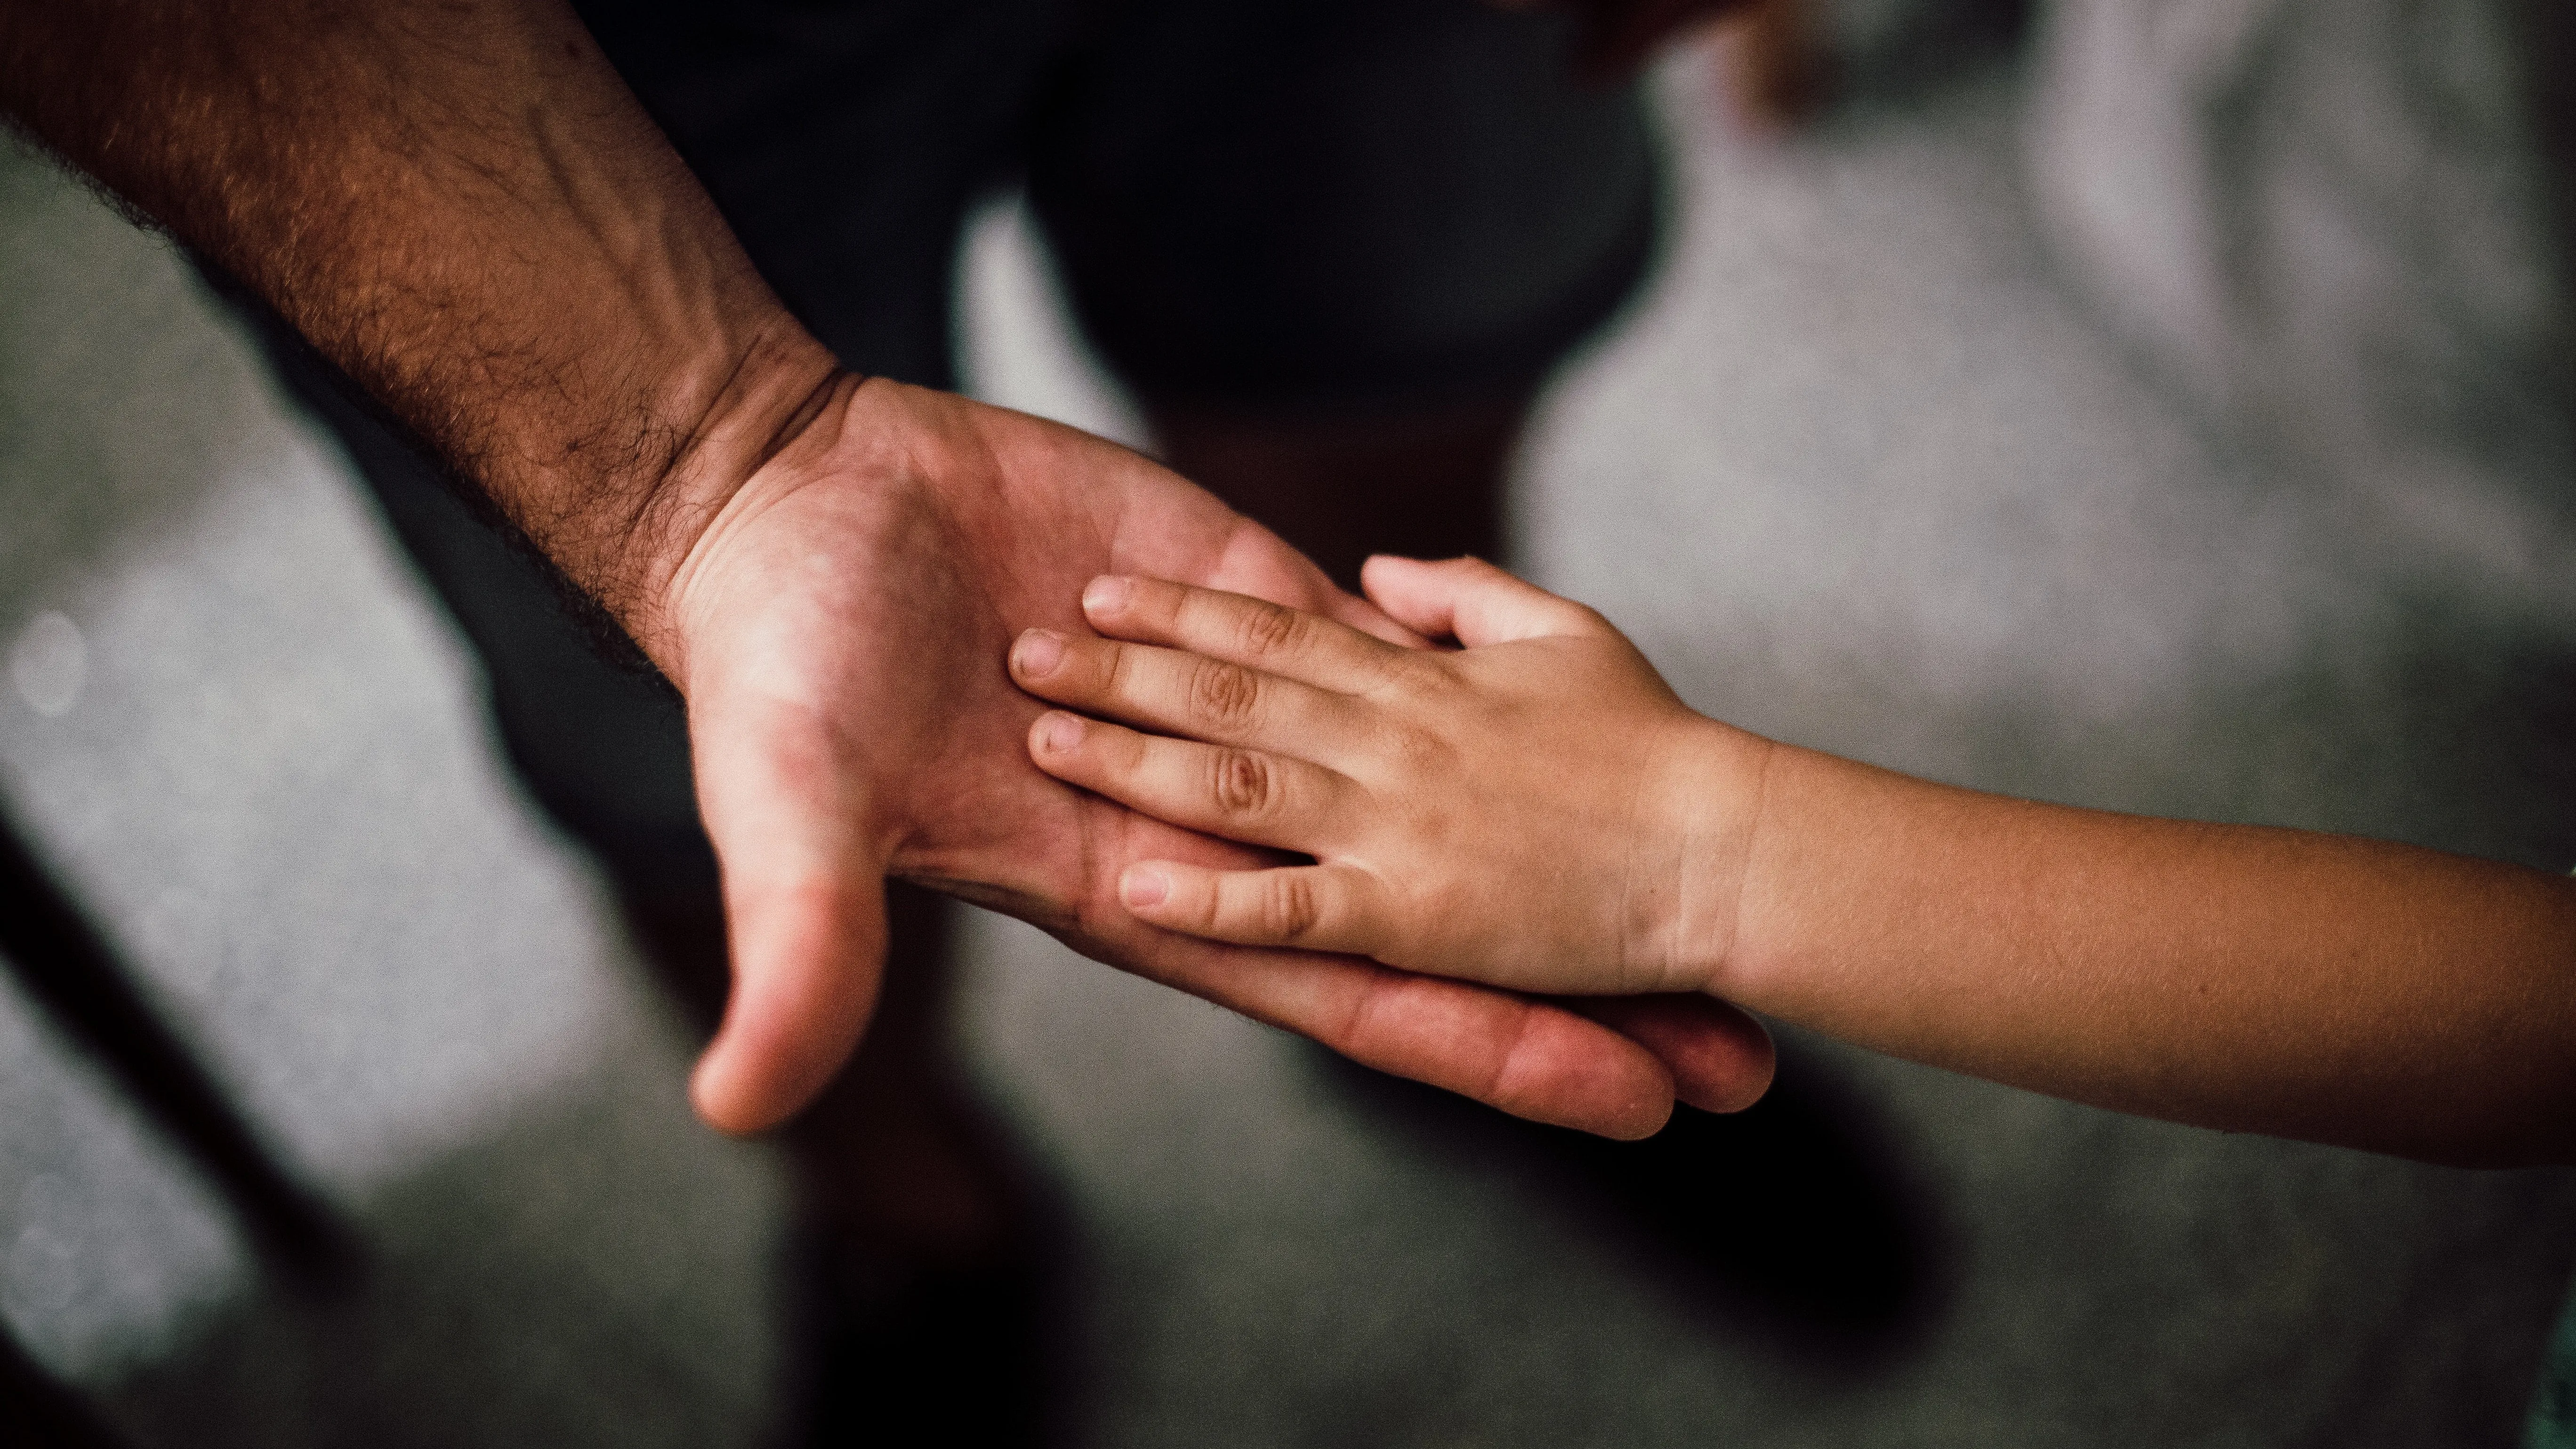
x: 855, y: 635
x: 1434, y: 794
x: 461, y: 206
x: 1537, y: 810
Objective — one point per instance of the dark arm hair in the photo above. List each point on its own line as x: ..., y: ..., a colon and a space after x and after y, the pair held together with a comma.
x: 462, y: 206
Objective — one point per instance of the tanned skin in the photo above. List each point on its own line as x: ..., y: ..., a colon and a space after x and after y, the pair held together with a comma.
x: 462, y: 206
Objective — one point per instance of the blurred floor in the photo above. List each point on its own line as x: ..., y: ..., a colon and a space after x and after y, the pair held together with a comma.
x: 1857, y: 473
x: 244, y: 738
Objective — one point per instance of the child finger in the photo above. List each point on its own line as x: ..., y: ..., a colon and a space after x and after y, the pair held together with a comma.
x: 1176, y: 693
x: 1237, y: 794
x: 1471, y: 601
x: 1239, y: 629
x: 1312, y: 907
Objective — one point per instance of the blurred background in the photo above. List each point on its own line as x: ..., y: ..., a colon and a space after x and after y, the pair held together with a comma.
x: 2150, y: 404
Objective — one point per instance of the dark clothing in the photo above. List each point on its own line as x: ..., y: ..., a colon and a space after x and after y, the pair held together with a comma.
x: 1379, y: 205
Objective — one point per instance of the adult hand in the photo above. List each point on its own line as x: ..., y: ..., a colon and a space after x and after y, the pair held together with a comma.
x: 840, y: 628
x: 465, y: 210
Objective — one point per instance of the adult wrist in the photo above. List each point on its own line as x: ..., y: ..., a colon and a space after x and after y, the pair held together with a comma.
x: 730, y: 415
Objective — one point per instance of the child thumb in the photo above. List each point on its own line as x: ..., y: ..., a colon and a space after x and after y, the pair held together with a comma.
x: 1471, y: 601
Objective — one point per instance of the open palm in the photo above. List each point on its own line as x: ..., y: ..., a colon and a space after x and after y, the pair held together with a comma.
x: 844, y: 623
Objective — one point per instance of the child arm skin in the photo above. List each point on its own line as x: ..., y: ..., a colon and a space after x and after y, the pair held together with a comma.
x: 1538, y: 811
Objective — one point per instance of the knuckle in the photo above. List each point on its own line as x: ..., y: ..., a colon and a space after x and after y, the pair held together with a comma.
x: 1113, y: 671
x: 1288, y: 906
x: 1245, y: 783
x: 1223, y: 695
x: 1266, y: 630
x: 1408, y: 673
x: 1123, y: 751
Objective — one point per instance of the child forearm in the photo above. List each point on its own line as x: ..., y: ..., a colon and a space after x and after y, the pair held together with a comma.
x: 2248, y: 979
x: 1539, y: 811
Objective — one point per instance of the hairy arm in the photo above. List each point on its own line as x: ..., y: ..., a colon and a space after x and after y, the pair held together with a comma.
x: 461, y: 205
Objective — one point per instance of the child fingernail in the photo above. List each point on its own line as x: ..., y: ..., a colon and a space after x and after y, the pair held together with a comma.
x: 1059, y: 732
x: 1145, y: 886
x: 1108, y: 595
x: 1038, y: 652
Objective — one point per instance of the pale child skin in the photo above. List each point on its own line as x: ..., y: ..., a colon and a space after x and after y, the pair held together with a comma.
x: 1537, y: 810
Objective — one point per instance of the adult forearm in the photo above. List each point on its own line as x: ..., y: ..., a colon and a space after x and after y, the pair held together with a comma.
x: 2302, y: 985
x: 463, y: 207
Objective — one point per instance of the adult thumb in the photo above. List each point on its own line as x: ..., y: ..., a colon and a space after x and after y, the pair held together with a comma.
x: 804, y: 893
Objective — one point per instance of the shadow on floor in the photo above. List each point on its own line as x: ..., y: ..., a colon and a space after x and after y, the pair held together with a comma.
x: 587, y: 1275
x: 1794, y: 1218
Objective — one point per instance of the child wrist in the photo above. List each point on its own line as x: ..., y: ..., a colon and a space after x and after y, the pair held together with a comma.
x: 1718, y: 799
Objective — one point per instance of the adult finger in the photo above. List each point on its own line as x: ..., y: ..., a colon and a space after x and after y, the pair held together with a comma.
x: 1174, y: 692
x: 1721, y: 1058
x: 1716, y: 1056
x: 1533, y: 1059
x: 1236, y: 794
x: 804, y: 908
x: 1471, y: 601
x: 1290, y: 643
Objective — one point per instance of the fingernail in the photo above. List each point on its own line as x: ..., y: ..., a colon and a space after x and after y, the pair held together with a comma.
x: 1144, y: 885
x: 1059, y: 732
x: 1107, y: 595
x: 1037, y: 653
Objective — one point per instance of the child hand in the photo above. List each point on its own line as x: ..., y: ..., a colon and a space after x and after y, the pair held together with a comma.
x: 1537, y: 811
